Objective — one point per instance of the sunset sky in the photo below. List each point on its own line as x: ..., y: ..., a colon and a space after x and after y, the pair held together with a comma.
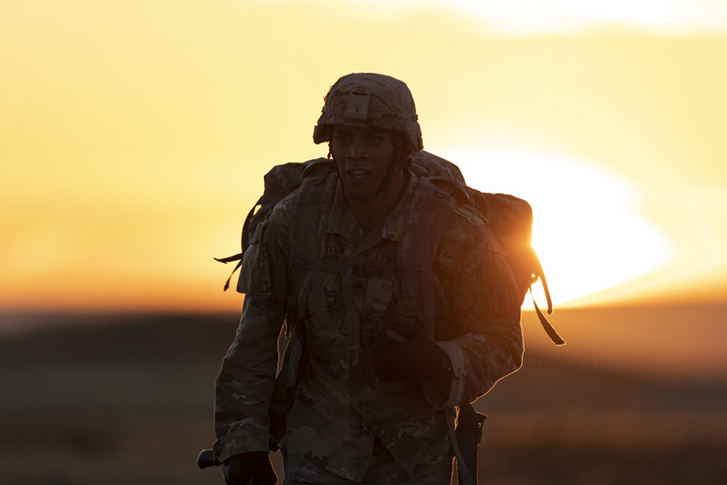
x: 134, y: 135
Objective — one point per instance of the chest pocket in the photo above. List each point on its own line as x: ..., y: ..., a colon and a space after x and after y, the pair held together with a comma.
x: 340, y: 300
x: 380, y: 292
x: 320, y: 307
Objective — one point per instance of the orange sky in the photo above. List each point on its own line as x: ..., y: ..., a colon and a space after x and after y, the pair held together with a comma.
x: 134, y: 136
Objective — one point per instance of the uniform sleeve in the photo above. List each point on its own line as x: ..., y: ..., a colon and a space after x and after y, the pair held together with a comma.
x: 484, y: 315
x: 244, y: 386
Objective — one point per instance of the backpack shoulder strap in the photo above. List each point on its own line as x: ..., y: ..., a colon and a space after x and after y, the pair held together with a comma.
x: 304, y: 234
x: 304, y: 237
x: 307, y: 260
x: 280, y: 181
x: 434, y: 206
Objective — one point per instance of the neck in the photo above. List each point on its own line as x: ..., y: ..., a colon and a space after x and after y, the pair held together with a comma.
x: 371, y: 212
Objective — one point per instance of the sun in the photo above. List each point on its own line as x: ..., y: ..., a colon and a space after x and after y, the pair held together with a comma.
x: 587, y: 228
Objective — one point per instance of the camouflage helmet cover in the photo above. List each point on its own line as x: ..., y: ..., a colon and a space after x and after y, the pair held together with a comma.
x: 366, y: 100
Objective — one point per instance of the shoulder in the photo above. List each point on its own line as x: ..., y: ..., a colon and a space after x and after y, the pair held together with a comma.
x: 285, y: 212
x: 467, y: 216
x: 467, y: 230
x: 465, y: 226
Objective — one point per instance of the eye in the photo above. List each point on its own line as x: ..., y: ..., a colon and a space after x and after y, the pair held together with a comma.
x: 341, y: 137
x: 375, y: 138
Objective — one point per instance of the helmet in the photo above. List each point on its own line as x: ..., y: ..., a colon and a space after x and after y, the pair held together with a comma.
x: 366, y: 100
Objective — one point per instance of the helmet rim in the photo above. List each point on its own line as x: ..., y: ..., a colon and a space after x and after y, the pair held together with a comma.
x: 373, y: 101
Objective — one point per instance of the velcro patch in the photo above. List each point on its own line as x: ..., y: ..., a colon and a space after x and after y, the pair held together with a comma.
x: 501, y: 299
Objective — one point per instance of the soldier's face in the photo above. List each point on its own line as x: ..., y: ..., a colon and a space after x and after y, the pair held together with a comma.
x: 363, y: 157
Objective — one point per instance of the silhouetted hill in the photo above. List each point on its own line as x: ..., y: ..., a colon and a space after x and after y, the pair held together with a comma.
x: 548, y: 384
x: 128, y: 399
x: 122, y: 338
x: 164, y: 364
x: 177, y: 352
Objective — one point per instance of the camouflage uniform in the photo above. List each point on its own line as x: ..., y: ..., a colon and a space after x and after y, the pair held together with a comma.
x: 343, y: 417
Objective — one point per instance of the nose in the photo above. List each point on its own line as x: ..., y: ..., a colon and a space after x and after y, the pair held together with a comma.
x: 356, y: 150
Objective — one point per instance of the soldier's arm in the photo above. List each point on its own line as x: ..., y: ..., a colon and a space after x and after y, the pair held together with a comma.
x: 245, y: 382
x: 484, y: 309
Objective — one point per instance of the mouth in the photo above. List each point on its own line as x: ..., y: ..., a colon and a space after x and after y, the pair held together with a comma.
x: 357, y: 174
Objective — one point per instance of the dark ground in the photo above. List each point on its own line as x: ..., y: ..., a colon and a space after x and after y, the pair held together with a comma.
x: 130, y: 402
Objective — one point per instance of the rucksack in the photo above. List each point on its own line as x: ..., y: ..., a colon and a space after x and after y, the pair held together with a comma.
x: 508, y: 217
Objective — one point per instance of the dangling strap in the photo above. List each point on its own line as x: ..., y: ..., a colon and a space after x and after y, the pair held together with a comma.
x: 245, y: 241
x: 464, y: 472
x: 285, y: 385
x: 469, y: 435
x: 547, y: 326
x: 544, y: 282
x: 236, y: 257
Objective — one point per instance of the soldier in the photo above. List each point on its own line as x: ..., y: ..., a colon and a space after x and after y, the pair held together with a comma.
x: 400, y: 299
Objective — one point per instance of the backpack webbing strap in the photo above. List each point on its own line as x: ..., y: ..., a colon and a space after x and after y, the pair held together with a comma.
x: 305, y: 242
x: 285, y: 386
x: 353, y: 320
x: 236, y: 257
x: 287, y: 378
x: 544, y: 282
x: 245, y: 241
x: 317, y: 267
x: 308, y: 259
x: 465, y: 475
x: 246, y: 225
x: 469, y: 435
x: 435, y: 208
x: 427, y: 272
x: 547, y: 326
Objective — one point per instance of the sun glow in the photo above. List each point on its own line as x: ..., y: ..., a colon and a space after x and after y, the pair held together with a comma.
x: 587, y: 228
x: 134, y: 135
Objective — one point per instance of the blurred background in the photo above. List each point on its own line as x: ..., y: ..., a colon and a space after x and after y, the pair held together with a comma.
x: 133, y: 140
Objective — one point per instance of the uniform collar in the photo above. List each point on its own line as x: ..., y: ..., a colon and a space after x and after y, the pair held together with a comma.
x: 343, y: 221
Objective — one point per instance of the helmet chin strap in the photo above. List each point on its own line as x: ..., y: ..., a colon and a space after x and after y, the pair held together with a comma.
x: 397, y: 161
x: 389, y: 175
